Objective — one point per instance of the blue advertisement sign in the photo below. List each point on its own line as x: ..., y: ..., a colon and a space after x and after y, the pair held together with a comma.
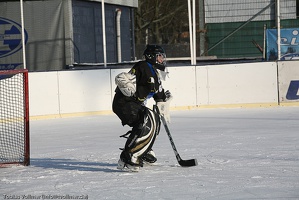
x: 10, y: 42
x: 293, y: 89
x: 289, y: 44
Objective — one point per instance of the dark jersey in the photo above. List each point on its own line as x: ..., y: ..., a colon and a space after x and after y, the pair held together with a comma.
x: 148, y: 84
x: 131, y: 109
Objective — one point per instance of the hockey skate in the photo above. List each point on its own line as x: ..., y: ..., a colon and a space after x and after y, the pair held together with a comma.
x: 131, y: 164
x: 127, y: 167
x: 149, y: 157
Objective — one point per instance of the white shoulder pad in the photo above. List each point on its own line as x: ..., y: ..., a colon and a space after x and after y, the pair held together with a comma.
x: 126, y: 82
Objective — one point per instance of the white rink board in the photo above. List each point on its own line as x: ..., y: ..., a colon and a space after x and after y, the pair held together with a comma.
x: 43, y: 93
x: 84, y: 91
x: 182, y: 85
x: 202, y: 91
x: 288, y: 81
x: 237, y: 84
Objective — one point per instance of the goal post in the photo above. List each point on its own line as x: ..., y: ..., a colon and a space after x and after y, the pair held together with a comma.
x: 14, y: 118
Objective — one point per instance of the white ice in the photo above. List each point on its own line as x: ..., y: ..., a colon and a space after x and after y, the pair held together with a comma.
x: 242, y: 153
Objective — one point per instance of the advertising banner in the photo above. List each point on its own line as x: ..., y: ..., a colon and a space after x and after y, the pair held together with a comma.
x: 289, y: 44
x: 47, y: 35
x: 10, y: 44
x: 288, y: 77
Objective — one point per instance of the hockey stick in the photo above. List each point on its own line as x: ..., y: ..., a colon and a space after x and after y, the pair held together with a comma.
x: 183, y: 163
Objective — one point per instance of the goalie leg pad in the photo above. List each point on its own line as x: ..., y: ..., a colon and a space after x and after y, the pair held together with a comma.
x: 141, y: 138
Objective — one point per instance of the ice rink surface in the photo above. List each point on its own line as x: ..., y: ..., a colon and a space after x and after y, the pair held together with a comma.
x: 242, y: 153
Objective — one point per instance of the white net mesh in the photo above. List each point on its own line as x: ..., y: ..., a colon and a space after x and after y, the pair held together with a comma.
x: 13, y: 118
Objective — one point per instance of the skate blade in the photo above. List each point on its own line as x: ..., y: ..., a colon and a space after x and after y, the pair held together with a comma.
x: 128, y: 168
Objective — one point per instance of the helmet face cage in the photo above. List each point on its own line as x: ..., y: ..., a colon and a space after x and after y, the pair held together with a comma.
x: 155, y: 54
x: 161, y: 59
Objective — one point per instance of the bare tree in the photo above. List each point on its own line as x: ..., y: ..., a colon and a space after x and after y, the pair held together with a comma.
x: 160, y: 22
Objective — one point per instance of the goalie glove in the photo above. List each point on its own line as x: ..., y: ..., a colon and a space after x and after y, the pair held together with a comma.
x: 168, y: 96
x: 126, y: 83
x: 164, y: 106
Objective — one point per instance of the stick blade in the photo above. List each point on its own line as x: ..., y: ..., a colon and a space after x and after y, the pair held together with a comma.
x: 188, y: 163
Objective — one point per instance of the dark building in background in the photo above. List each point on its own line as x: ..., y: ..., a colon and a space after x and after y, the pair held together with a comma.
x: 61, y: 33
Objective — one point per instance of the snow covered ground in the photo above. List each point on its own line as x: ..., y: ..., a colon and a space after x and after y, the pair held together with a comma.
x: 242, y: 154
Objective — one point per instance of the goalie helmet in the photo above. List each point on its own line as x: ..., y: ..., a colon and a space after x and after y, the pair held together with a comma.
x: 155, y: 55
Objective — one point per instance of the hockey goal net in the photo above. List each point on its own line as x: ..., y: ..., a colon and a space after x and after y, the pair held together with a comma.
x: 14, y: 118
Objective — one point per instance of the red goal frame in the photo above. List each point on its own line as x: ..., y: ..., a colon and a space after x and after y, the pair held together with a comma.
x: 26, y: 153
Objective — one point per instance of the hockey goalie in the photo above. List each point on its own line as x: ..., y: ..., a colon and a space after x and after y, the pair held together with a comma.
x: 142, y: 82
